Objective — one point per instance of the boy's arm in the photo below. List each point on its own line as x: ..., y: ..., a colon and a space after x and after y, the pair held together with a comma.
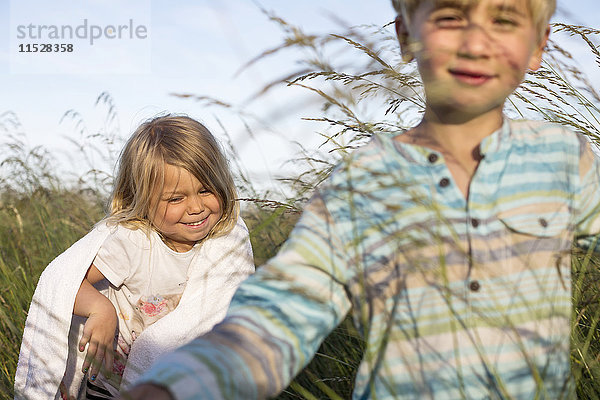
x: 100, y: 327
x: 147, y: 391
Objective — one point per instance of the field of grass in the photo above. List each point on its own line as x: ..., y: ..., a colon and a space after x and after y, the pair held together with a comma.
x: 41, y: 215
x: 37, y: 226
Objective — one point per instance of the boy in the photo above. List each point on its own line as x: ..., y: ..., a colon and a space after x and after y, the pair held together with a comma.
x: 450, y: 242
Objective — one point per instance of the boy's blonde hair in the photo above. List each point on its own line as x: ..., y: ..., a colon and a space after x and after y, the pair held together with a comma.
x: 541, y: 11
x: 179, y: 141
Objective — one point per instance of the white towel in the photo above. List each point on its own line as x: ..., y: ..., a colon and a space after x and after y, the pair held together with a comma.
x: 49, y: 347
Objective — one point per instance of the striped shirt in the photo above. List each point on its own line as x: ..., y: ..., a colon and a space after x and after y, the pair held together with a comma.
x: 455, y: 298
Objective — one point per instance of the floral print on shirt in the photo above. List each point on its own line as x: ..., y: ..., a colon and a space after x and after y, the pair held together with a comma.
x: 152, y: 305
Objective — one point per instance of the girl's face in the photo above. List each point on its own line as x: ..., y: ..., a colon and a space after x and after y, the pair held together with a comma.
x: 184, y: 212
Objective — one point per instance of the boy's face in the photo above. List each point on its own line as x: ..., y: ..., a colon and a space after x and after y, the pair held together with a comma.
x: 471, y: 54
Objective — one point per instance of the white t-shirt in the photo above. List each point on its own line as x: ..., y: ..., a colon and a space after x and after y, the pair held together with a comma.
x: 147, y: 281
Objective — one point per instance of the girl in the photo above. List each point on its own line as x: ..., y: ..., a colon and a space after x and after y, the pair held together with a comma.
x: 173, y: 245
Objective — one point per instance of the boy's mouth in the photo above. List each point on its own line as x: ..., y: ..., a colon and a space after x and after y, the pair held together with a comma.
x: 470, y: 77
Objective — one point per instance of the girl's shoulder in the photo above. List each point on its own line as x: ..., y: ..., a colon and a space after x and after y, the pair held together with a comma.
x: 122, y: 250
x: 127, y: 237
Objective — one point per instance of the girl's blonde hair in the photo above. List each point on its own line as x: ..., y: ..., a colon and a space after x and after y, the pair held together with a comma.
x: 541, y: 11
x: 179, y: 141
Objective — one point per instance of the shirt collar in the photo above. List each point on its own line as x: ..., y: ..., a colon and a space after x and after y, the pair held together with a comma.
x: 495, y: 142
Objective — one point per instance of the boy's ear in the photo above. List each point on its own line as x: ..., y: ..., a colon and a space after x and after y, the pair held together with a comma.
x: 403, y: 39
x: 535, y: 62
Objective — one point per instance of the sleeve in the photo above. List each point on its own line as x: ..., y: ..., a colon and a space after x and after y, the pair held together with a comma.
x: 275, y: 324
x: 115, y: 257
x: 587, y: 200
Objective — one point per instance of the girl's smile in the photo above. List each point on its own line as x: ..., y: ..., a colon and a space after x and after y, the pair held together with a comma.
x: 184, y: 212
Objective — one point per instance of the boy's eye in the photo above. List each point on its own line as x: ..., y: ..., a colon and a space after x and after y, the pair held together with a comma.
x: 505, y: 22
x: 448, y: 19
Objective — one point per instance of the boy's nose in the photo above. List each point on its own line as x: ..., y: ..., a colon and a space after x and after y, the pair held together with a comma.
x: 476, y: 42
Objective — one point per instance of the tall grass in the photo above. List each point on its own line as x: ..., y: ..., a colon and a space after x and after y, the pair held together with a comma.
x: 39, y: 219
x: 585, y: 343
x: 363, y: 87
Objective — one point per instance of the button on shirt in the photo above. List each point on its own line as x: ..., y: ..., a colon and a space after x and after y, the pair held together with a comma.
x: 450, y: 308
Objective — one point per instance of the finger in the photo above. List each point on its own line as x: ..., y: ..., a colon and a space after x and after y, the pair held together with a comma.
x: 108, y: 362
x: 97, y: 362
x: 90, y: 356
x: 83, y: 341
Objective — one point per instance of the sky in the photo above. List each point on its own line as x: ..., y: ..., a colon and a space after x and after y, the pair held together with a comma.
x: 196, y: 47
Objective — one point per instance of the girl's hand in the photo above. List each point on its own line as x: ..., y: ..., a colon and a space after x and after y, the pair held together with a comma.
x: 100, y: 327
x: 99, y: 334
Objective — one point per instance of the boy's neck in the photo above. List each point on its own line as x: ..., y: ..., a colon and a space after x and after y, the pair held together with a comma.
x: 458, y: 136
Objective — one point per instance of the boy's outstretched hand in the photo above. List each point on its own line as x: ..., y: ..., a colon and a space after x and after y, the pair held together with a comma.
x: 147, y: 391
